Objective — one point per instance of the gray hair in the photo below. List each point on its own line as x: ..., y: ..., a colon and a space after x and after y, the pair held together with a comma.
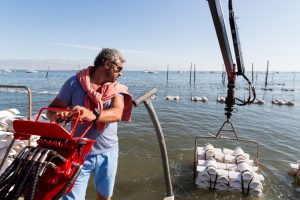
x: 108, y: 54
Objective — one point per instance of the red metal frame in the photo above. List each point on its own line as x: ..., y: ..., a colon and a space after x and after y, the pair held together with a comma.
x: 57, y: 138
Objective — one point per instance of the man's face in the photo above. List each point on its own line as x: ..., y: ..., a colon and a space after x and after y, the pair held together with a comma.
x: 114, y: 70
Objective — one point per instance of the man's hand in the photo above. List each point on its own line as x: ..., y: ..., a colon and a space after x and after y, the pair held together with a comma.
x: 85, y: 114
x: 57, y: 116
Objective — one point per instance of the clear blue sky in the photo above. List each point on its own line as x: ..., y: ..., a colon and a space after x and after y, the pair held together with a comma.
x: 151, y: 34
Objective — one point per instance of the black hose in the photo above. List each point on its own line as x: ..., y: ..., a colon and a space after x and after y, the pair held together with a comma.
x: 249, y: 100
x: 13, y: 165
x: 35, y: 175
x: 11, y: 181
x: 15, y: 183
x: 19, y: 186
x: 10, y: 178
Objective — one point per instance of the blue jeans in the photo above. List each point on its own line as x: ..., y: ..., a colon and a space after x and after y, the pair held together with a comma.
x: 104, y: 166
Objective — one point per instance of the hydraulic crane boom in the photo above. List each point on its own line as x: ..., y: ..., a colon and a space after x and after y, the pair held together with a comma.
x: 232, y: 72
x: 217, y: 15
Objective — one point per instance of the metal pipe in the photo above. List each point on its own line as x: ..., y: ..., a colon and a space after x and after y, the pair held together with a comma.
x: 29, y: 96
x: 145, y: 96
x: 162, y: 145
x: 160, y: 136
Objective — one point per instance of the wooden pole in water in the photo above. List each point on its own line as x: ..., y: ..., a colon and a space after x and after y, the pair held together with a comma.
x: 294, y: 76
x: 167, y: 74
x: 294, y: 79
x: 266, y: 81
x: 194, y: 73
x: 47, y: 73
x: 252, y: 74
x: 191, y: 73
x: 223, y: 75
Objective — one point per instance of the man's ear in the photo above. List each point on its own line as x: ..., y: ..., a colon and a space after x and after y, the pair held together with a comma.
x: 106, y: 64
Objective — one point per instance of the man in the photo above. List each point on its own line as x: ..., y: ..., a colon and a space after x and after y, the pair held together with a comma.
x: 98, y: 97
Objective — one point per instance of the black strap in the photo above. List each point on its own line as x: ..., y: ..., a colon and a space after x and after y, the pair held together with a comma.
x: 297, y: 175
x: 210, y: 181
x: 249, y: 185
x: 242, y: 182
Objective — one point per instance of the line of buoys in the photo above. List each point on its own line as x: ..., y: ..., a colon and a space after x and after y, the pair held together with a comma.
x: 288, y: 89
x: 222, y: 99
x: 267, y: 88
x: 199, y: 98
x: 283, y: 102
x: 172, y: 98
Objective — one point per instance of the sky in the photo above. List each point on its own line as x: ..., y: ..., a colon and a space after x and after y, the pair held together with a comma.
x: 152, y: 34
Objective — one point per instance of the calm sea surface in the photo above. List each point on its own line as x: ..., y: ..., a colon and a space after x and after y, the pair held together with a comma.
x: 140, y: 173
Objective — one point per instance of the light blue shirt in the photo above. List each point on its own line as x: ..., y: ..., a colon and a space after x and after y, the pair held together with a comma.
x: 73, y: 94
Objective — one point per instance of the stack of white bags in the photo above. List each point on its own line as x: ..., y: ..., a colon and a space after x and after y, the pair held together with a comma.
x: 6, y: 136
x: 227, y: 170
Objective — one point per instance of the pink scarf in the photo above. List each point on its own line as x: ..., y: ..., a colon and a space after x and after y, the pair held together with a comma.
x: 96, y: 98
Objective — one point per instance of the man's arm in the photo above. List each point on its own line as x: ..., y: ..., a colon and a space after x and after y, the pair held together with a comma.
x: 112, y: 114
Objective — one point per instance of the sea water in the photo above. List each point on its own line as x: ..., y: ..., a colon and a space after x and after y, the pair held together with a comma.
x: 140, y: 172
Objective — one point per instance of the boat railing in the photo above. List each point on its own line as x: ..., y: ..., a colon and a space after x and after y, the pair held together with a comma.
x: 29, y: 95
